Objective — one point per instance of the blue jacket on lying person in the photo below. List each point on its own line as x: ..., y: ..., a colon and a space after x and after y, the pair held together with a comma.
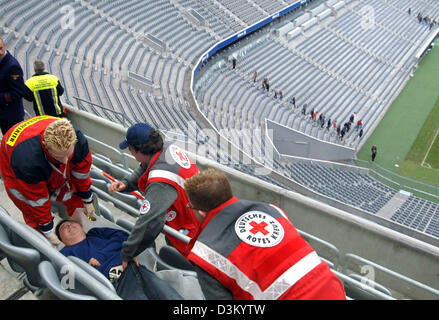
x: 101, y: 247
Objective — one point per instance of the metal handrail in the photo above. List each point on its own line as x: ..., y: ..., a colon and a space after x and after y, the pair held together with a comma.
x: 377, y: 294
x: 135, y: 213
x: 386, y: 174
x: 123, y: 155
x: 130, y: 210
x: 328, y: 245
x: 125, y: 119
x: 349, y: 257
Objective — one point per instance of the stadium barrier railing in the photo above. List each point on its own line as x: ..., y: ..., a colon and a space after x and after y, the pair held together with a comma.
x: 399, y: 182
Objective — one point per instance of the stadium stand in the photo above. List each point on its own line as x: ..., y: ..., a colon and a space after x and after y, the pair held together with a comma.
x: 339, y: 68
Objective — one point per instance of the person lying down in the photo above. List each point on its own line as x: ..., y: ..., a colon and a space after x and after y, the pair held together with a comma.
x: 100, y: 247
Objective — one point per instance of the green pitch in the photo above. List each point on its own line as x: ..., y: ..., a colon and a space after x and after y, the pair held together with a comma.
x: 407, y: 138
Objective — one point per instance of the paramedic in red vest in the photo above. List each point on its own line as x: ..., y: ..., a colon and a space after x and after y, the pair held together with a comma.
x: 45, y: 159
x: 250, y: 250
x: 160, y: 177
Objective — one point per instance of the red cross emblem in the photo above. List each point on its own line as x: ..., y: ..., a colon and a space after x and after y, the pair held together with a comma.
x: 259, y: 227
x: 180, y: 155
x: 144, y: 208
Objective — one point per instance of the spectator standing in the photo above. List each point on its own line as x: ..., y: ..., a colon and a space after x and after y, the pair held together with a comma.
x: 255, y: 76
x: 328, y: 125
x: 352, y: 118
x: 342, y: 133
x: 44, y: 90
x: 374, y: 152
x: 293, y: 102
x: 322, y: 120
x: 359, y: 125
x: 11, y: 90
x: 304, y: 108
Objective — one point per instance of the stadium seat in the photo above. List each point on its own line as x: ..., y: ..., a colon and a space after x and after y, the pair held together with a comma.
x: 50, y: 278
x: 22, y: 259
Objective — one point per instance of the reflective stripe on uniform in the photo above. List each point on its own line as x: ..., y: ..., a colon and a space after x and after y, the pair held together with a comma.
x: 38, y: 102
x: 14, y: 135
x: 44, y: 82
x: 80, y: 175
x: 33, y: 203
x: 275, y: 290
x: 167, y: 175
x: 67, y: 196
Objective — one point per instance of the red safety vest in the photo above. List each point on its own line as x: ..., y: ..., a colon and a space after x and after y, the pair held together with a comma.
x: 173, y: 166
x: 255, y: 252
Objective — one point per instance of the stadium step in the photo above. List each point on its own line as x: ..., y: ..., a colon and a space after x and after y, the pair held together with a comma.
x: 393, y: 205
x: 11, y: 284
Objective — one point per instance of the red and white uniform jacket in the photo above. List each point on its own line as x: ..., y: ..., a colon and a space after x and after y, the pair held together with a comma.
x: 256, y: 253
x: 33, y: 178
x: 173, y: 166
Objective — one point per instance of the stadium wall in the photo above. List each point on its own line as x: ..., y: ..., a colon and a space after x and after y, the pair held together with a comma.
x: 297, y: 144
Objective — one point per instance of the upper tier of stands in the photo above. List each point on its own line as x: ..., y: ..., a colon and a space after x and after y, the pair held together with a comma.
x: 337, y: 67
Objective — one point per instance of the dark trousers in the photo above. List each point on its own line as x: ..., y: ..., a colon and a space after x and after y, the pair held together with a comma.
x: 5, y: 125
x: 138, y: 283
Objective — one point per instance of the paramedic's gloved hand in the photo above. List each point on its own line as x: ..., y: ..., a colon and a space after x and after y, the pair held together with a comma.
x: 90, y: 211
x: 54, y: 239
x: 117, y: 186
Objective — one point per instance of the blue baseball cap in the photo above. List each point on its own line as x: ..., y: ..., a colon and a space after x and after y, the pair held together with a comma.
x: 137, y: 134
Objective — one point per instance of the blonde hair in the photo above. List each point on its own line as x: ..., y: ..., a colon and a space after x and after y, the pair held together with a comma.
x: 60, y: 135
x: 208, y: 189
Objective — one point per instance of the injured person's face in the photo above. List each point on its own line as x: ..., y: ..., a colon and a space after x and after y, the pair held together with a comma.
x: 71, y: 233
